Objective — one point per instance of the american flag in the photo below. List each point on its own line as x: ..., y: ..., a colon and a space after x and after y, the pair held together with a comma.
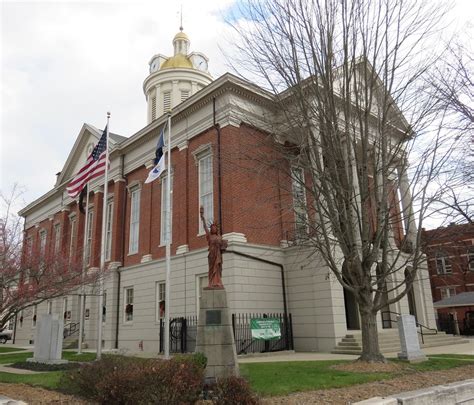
x: 94, y: 167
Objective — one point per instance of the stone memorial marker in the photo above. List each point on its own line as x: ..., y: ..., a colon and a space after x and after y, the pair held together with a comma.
x: 48, y: 340
x: 409, y: 339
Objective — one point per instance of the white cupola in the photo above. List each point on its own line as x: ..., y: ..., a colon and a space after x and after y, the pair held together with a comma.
x: 173, y: 79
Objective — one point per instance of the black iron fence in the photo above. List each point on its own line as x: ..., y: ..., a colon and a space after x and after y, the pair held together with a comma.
x: 183, y: 332
x: 244, y: 342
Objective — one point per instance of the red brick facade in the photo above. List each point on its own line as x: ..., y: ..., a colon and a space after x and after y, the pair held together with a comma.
x: 450, y: 254
x: 252, y: 203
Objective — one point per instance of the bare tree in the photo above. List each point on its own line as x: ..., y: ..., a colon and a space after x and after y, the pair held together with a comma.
x: 347, y: 80
x: 26, y: 277
x: 451, y: 84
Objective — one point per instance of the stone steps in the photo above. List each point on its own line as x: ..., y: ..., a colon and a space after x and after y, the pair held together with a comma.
x: 389, y: 342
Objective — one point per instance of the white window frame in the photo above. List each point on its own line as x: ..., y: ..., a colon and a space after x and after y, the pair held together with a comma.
x: 447, y: 292
x: 34, y: 317
x: 205, y: 178
x: 470, y: 259
x: 42, y: 239
x: 443, y: 264
x: 134, y: 229
x: 201, y: 283
x: 72, y: 236
x: 299, y: 202
x: 104, y: 307
x: 108, y: 228
x: 57, y: 237
x: 65, y: 310
x: 164, y: 215
x: 128, y: 299
x: 160, y: 296
x: 90, y: 222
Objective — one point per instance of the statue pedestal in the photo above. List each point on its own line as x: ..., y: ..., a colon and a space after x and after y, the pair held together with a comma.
x: 215, y: 337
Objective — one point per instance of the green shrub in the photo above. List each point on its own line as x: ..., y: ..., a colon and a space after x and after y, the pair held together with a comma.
x: 125, y: 380
x: 234, y: 391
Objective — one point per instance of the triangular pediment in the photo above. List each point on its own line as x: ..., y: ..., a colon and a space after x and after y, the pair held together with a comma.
x: 85, y: 142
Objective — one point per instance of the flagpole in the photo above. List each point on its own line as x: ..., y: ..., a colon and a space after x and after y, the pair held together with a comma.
x: 102, y: 245
x: 168, y: 246
x: 84, y: 265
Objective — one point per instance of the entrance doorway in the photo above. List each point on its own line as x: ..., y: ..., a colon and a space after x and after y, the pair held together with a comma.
x: 352, y: 310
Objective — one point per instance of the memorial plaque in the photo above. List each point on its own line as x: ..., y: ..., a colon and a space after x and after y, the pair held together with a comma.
x: 213, y: 317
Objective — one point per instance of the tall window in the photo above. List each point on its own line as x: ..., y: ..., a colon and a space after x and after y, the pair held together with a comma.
x: 42, y: 236
x: 33, y: 320
x: 201, y: 282
x: 134, y: 220
x: 206, y: 195
x: 104, y: 306
x: 57, y: 238
x: 28, y: 248
x: 128, y: 310
x: 470, y: 258
x: 164, y: 210
x: 50, y: 307
x: 66, y: 310
x: 299, y: 202
x: 443, y: 264
x: 108, y: 229
x: 72, y: 238
x: 160, y: 300
x: 166, y: 101
x: 90, y: 220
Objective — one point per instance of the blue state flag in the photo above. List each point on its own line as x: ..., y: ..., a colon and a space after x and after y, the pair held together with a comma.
x: 159, y: 160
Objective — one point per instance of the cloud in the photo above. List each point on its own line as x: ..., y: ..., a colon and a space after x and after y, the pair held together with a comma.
x: 65, y: 63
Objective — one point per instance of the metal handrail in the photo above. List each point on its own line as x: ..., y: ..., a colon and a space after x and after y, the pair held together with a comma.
x: 421, y: 326
x: 70, y: 329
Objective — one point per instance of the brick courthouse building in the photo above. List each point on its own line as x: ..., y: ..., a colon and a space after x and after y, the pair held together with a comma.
x: 214, y: 124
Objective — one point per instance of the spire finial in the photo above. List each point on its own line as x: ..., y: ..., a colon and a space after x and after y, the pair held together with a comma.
x: 181, y: 25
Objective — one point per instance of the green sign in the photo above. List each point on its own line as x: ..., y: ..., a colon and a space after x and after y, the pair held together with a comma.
x: 265, y: 328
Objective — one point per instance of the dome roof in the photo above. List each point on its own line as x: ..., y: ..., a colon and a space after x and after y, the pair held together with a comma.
x: 180, y: 35
x: 177, y: 61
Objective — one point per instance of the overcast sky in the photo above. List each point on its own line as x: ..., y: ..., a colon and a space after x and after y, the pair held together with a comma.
x: 64, y: 63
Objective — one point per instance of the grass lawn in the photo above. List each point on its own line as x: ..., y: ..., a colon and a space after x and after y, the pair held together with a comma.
x: 286, y: 377
x: 267, y: 379
x: 453, y: 356
x: 71, y: 356
x: 46, y: 380
x: 10, y: 349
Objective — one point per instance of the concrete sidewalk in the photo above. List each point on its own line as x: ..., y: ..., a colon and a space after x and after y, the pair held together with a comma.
x: 464, y: 348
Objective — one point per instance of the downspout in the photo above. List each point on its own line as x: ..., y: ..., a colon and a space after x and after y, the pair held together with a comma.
x: 124, y: 211
x: 219, y: 169
x: 283, y: 287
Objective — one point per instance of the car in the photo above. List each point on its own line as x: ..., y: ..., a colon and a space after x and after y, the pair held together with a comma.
x: 5, y: 335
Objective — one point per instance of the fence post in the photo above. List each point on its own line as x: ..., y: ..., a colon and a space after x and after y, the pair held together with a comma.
x: 183, y: 335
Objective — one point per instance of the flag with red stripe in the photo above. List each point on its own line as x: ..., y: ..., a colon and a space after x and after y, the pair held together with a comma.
x: 94, y: 167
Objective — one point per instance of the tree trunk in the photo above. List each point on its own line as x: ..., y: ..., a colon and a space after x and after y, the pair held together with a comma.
x: 370, y: 337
